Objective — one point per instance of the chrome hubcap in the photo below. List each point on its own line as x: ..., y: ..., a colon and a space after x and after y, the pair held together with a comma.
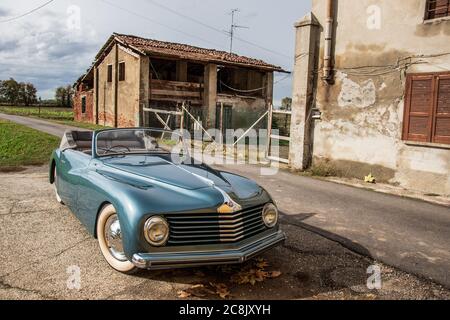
x: 113, y: 236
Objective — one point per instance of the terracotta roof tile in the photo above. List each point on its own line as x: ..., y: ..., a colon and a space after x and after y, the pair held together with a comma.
x: 178, y: 50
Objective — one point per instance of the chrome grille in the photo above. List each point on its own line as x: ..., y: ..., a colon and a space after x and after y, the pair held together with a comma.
x: 213, y: 228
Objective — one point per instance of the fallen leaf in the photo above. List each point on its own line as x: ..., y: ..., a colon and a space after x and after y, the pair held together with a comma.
x: 196, y: 286
x: 274, y: 274
x: 183, y: 294
x: 262, y: 264
x: 221, y: 290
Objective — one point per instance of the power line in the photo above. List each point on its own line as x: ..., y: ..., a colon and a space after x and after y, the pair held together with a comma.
x: 157, y: 22
x: 217, y: 29
x: 26, y: 13
x: 187, y: 17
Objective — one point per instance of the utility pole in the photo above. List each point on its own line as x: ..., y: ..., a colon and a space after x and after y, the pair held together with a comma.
x: 233, y: 28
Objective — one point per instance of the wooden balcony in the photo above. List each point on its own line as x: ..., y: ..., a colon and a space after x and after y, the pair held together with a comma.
x: 176, y: 91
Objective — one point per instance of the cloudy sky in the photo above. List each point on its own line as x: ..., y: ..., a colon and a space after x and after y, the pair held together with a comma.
x: 54, y: 45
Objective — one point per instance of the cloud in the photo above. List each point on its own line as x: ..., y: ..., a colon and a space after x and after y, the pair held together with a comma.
x: 48, y: 51
x: 4, y: 12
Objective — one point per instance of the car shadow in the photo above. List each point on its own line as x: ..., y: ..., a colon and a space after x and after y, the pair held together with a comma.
x: 312, y: 264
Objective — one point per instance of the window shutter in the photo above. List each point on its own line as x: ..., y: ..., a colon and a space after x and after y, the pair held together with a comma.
x: 419, y: 108
x: 109, y: 76
x: 122, y: 71
x: 441, y: 126
x: 437, y: 9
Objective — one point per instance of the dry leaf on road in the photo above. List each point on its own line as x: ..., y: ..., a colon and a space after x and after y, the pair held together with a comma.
x: 183, y: 294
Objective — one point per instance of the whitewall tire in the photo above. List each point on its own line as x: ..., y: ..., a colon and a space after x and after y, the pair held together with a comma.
x: 58, y: 198
x: 110, y: 241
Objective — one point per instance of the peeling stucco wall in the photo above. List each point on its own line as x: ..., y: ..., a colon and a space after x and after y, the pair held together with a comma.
x: 360, y: 95
x: 362, y: 112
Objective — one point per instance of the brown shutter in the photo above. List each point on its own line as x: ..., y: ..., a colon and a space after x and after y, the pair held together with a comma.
x: 122, y: 71
x: 441, y: 125
x: 109, y: 76
x: 419, y: 108
x: 437, y: 9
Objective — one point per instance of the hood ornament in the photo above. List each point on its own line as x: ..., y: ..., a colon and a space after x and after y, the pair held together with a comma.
x: 229, y: 205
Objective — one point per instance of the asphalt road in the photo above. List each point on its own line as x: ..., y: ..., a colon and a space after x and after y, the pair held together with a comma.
x: 52, y: 128
x: 410, y: 235
x: 44, y: 248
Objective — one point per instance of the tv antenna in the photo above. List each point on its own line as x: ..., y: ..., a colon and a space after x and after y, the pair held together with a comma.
x: 233, y: 28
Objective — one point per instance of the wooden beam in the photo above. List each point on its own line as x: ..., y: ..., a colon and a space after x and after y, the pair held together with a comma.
x: 173, y: 93
x: 177, y: 113
x: 273, y: 136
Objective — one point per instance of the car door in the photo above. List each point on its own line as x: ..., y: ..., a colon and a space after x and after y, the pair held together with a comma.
x: 74, y: 165
x: 63, y: 177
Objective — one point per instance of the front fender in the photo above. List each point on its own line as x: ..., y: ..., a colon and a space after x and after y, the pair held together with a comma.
x: 135, y: 203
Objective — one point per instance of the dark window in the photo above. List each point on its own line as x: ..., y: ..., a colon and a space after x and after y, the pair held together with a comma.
x: 437, y: 9
x: 122, y: 71
x: 163, y: 69
x: 110, y: 73
x: 225, y: 115
x: 240, y: 81
x: 427, y: 108
x: 195, y: 72
x: 83, y: 104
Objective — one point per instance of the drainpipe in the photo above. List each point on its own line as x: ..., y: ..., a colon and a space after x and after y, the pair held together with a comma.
x: 327, y: 59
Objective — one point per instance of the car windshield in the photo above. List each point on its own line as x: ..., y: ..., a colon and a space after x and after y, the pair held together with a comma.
x: 137, y: 141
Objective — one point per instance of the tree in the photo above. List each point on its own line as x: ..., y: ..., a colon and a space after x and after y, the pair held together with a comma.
x: 9, y: 91
x: 27, y: 93
x: 70, y: 93
x: 13, y: 92
x: 64, y: 95
x: 286, y: 103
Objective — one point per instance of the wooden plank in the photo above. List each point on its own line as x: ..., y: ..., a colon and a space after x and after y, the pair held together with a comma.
x: 160, y: 84
x: 282, y: 112
x: 278, y: 159
x: 283, y: 138
x: 173, y: 93
x: 177, y: 113
x: 192, y: 101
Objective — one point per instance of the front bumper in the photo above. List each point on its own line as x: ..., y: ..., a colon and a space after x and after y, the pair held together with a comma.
x: 241, y: 254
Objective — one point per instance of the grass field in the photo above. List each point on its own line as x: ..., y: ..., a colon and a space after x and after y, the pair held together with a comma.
x: 59, y: 115
x: 22, y: 146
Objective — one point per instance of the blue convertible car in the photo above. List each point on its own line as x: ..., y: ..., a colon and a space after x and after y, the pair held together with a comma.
x: 152, y: 207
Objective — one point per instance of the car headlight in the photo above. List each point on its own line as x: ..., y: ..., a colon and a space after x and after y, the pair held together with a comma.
x: 270, y: 215
x: 156, y: 231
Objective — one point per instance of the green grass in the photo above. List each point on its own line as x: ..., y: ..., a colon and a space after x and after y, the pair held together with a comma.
x: 62, y: 114
x: 58, y: 115
x: 22, y: 146
x: 83, y: 125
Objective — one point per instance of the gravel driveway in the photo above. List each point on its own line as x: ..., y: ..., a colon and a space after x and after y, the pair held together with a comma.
x: 41, y: 240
